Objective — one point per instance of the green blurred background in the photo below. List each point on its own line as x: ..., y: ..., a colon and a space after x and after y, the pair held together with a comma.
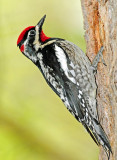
x: 34, y: 123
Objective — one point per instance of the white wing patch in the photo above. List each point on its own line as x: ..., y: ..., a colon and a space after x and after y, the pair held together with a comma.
x: 63, y: 62
x: 61, y: 58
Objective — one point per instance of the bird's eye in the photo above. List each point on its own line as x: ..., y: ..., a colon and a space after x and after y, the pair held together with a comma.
x: 32, y: 33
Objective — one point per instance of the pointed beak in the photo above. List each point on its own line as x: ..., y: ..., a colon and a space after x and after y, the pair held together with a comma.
x: 40, y: 23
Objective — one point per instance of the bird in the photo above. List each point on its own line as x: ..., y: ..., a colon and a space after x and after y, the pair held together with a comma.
x: 70, y: 74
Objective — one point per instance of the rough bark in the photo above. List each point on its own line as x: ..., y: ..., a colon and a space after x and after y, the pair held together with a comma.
x: 100, y: 24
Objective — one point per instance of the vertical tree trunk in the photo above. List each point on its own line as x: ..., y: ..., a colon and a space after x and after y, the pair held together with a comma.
x: 100, y: 24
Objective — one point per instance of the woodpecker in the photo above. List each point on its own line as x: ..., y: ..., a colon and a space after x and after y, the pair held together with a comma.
x: 70, y: 74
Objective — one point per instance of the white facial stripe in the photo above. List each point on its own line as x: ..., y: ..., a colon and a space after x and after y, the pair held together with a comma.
x: 47, y: 43
x: 63, y: 62
x: 32, y: 57
x: 36, y: 42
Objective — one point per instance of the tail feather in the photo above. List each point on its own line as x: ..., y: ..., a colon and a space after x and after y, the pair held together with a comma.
x: 104, y: 141
x: 93, y: 135
x: 99, y: 136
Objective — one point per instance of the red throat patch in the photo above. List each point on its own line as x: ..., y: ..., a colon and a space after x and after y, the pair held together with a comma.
x: 22, y: 48
x: 23, y: 33
x: 43, y: 37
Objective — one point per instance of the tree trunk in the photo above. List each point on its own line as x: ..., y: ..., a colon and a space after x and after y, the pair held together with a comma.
x: 100, y: 24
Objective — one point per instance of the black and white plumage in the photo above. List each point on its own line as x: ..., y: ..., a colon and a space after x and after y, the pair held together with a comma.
x: 68, y: 71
